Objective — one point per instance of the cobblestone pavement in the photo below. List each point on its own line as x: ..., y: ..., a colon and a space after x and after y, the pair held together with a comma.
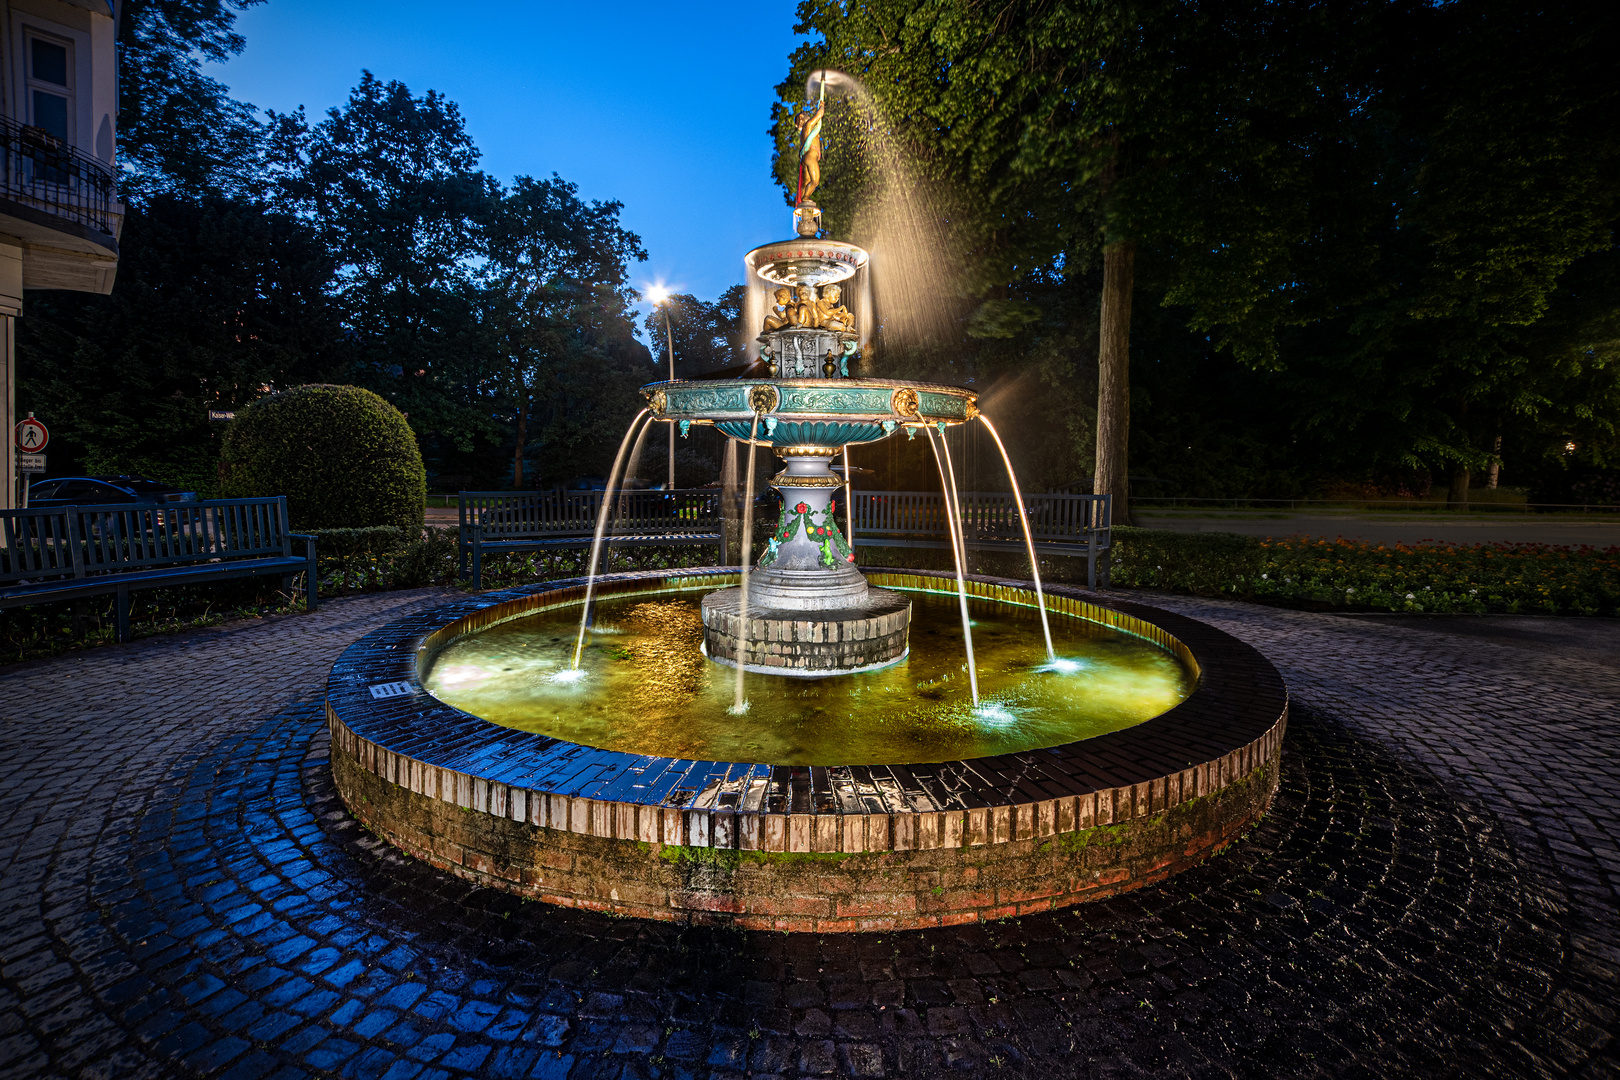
x: 1432, y: 895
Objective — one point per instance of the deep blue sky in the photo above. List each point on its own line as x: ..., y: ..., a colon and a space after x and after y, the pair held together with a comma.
x: 661, y: 106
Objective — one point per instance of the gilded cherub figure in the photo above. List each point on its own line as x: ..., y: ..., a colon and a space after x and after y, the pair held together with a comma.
x: 781, y: 314
x: 805, y: 311
x: 830, y: 314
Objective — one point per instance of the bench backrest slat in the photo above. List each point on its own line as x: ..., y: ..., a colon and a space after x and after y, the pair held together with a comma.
x: 79, y: 540
x: 988, y: 515
x: 524, y: 514
x: 38, y: 545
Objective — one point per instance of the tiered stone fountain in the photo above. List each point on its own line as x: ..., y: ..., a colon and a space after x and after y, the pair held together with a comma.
x: 881, y: 799
x: 810, y: 612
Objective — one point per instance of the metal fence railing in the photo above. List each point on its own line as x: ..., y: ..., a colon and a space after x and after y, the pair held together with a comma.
x: 39, y: 170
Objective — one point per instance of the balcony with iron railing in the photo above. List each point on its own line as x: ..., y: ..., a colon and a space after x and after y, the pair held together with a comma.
x: 48, y: 182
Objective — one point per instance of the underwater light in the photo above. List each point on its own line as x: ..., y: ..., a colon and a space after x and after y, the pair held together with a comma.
x: 460, y: 674
x: 994, y: 712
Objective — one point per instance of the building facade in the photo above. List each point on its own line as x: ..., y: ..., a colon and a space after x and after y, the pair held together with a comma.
x: 59, y: 212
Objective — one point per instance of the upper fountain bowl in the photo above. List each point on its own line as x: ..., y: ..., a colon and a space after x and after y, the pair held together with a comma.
x: 806, y: 261
x: 811, y: 412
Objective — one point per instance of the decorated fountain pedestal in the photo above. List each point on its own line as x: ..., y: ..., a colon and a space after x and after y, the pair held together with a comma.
x: 810, y: 611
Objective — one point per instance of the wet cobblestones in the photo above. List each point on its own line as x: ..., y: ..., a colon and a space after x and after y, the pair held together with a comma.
x: 183, y: 895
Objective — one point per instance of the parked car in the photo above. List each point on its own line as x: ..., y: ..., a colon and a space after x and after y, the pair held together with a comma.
x: 98, y: 490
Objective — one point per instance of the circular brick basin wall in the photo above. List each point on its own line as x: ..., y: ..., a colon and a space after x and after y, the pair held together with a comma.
x: 805, y: 848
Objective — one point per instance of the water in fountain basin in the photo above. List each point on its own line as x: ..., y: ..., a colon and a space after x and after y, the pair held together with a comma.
x: 648, y: 689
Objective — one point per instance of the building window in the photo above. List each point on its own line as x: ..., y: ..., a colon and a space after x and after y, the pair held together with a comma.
x: 50, y: 86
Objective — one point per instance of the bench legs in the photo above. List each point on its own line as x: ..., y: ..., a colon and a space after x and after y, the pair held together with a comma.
x: 311, y: 577
x: 477, y: 568
x: 289, y: 585
x: 121, y: 614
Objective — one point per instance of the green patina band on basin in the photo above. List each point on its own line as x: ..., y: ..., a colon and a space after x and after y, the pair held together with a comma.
x: 812, y: 412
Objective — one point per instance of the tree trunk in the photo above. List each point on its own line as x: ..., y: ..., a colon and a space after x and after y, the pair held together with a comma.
x: 517, y: 454
x: 1114, y: 378
x: 1461, y: 474
x: 1496, y: 464
x: 1457, y: 497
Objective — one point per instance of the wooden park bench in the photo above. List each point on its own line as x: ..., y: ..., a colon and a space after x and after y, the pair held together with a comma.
x: 73, y: 552
x: 1077, y: 525
x: 499, y: 522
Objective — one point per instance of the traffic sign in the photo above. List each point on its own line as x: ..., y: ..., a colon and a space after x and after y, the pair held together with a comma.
x: 31, y: 435
x: 30, y: 462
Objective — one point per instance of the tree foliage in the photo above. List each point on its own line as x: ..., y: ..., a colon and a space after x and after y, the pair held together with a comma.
x: 180, y: 131
x: 216, y: 303
x: 1396, y: 212
x: 554, y: 303
x: 366, y: 248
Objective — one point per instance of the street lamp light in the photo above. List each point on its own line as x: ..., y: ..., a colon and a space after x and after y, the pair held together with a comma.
x: 660, y: 299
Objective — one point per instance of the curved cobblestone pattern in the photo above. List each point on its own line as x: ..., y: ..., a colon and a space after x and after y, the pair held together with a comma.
x: 184, y: 895
x: 856, y: 848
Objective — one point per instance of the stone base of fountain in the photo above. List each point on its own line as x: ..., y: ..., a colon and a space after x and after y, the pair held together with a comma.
x: 780, y: 641
x: 805, y: 848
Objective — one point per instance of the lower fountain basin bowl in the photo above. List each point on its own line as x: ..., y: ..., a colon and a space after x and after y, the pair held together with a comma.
x: 803, y: 848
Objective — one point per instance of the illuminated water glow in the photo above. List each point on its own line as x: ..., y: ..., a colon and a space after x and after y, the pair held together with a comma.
x: 649, y: 689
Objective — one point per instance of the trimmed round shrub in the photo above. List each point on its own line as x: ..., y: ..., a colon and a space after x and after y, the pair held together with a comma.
x: 344, y: 457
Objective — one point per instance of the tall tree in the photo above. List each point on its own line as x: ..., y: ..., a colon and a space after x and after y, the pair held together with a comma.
x: 390, y: 182
x: 1378, y: 200
x: 554, y: 302
x: 180, y: 131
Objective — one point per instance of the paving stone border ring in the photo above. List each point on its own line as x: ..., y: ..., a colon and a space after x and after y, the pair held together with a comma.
x: 803, y: 848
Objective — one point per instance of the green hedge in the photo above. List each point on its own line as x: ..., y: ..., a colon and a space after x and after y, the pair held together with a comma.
x: 1340, y: 575
x: 374, y: 539
x: 1540, y: 579
x: 343, y: 456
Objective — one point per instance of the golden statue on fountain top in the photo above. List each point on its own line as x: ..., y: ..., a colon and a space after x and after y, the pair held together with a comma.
x: 809, y: 125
